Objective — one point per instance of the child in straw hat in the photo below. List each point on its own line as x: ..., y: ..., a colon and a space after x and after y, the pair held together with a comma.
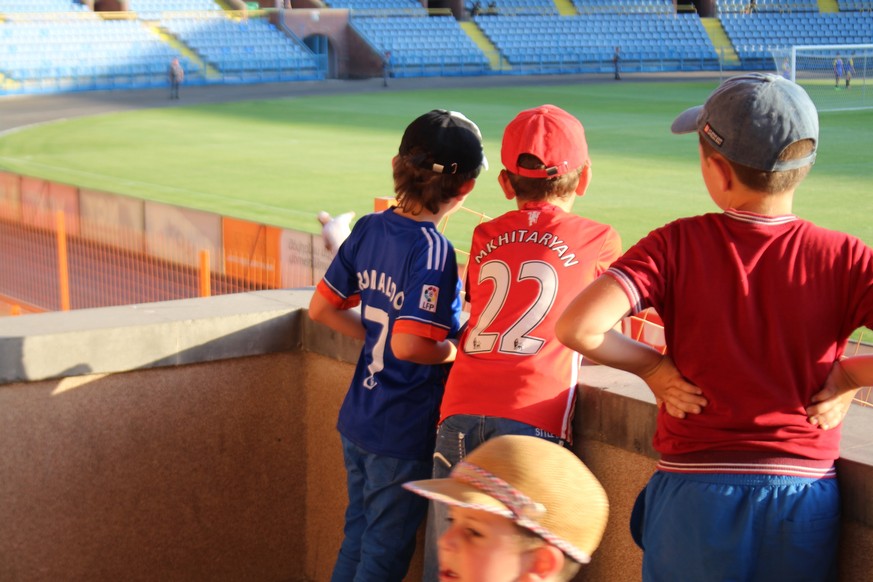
x: 521, y: 508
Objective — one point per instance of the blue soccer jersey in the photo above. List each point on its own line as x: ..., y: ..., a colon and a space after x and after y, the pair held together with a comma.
x: 404, y: 275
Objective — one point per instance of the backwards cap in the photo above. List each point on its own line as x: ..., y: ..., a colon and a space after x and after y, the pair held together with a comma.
x: 445, y: 142
x: 549, y: 133
x: 539, y: 485
x: 750, y: 119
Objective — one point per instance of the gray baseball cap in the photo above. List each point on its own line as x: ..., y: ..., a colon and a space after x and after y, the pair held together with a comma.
x: 751, y: 118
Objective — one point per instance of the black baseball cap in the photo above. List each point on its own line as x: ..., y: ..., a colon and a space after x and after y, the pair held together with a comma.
x: 445, y: 142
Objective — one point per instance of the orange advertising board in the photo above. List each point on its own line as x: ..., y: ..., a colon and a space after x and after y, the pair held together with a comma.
x: 41, y: 200
x: 180, y: 234
x: 251, y: 251
x: 112, y: 219
x: 10, y: 196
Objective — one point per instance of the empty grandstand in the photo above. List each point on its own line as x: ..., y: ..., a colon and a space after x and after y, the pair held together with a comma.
x: 648, y: 41
x: 243, y: 49
x: 421, y: 46
x: 756, y: 36
x: 68, y: 45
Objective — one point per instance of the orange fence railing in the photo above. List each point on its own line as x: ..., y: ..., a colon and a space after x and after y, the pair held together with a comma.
x: 46, y: 270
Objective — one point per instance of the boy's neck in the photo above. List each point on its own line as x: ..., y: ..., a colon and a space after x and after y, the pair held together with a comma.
x: 565, y: 204
x: 779, y: 204
x: 424, y: 215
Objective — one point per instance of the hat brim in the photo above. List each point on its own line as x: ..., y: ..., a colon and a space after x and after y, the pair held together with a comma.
x: 458, y: 494
x: 687, y: 120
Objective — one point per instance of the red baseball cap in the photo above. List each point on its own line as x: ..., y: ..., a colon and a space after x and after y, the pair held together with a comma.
x: 549, y: 133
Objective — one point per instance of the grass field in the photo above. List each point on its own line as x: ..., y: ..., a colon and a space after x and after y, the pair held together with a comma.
x: 281, y: 161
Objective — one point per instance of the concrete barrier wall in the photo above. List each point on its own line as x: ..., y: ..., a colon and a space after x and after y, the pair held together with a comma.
x: 191, y: 472
x: 195, y: 440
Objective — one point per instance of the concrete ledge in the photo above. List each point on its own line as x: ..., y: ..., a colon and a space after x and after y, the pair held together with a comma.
x: 170, y: 333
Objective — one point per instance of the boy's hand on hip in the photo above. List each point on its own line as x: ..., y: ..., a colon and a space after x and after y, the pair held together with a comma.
x: 672, y: 391
x: 831, y: 404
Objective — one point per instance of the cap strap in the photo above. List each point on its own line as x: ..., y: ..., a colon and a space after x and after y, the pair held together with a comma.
x: 450, y: 169
x: 549, y: 172
x: 784, y: 165
x: 421, y: 160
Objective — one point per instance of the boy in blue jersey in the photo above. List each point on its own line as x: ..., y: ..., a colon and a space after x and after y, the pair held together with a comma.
x: 404, y: 275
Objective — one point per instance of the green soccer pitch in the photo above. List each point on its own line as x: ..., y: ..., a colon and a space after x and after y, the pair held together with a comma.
x: 279, y: 162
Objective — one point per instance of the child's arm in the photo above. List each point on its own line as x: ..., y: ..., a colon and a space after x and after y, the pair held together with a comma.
x: 831, y: 404
x: 422, y: 350
x: 345, y: 321
x: 587, y: 326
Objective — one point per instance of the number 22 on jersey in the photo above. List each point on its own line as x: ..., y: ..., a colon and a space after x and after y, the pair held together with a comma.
x: 515, y: 338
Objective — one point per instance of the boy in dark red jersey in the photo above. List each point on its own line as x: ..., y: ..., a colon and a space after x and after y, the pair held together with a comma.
x: 758, y: 306
x: 512, y: 375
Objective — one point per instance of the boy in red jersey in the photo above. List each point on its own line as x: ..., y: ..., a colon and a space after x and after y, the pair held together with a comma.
x: 511, y: 375
x: 758, y: 305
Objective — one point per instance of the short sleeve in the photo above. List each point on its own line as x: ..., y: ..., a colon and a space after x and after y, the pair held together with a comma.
x: 431, y: 305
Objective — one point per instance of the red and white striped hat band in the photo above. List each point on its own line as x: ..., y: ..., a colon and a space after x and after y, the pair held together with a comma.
x: 524, y: 511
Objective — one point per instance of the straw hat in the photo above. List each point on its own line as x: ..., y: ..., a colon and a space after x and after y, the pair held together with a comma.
x: 539, y: 485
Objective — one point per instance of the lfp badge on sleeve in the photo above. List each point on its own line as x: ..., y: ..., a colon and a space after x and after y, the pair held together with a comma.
x: 429, y: 296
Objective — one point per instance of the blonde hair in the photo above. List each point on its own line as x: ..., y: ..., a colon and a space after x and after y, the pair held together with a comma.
x: 417, y: 188
x: 770, y: 182
x: 528, y: 541
x: 537, y: 189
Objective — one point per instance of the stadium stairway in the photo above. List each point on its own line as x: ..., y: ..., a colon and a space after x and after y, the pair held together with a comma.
x: 174, y: 42
x: 477, y: 36
x: 828, y: 6
x: 720, y: 41
x: 7, y: 84
x: 565, y: 7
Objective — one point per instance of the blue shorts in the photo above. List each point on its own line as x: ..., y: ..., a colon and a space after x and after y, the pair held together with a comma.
x: 737, y: 527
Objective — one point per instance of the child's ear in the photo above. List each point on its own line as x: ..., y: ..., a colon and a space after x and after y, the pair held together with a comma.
x: 506, y: 185
x: 466, y: 187
x: 722, y: 171
x: 547, y: 563
x: 584, y: 180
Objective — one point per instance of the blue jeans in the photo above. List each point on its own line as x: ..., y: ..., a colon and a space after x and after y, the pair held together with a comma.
x: 382, y: 518
x: 457, y: 436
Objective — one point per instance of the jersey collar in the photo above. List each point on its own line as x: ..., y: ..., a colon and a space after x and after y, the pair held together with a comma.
x: 538, y: 205
x: 759, y: 219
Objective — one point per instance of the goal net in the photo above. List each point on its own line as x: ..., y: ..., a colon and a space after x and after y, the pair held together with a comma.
x: 834, y: 76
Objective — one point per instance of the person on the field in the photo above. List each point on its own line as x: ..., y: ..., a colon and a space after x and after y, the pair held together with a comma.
x: 838, y: 70
x: 758, y: 305
x: 512, y: 375
x: 386, y: 68
x: 850, y: 70
x: 616, y: 63
x: 175, y: 74
x: 522, y: 509
x: 403, y: 273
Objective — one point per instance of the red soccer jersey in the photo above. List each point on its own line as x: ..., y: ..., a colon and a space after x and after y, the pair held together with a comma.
x: 525, y: 267
x: 756, y: 310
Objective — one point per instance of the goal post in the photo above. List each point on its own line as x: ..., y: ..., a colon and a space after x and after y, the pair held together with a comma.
x: 835, y: 76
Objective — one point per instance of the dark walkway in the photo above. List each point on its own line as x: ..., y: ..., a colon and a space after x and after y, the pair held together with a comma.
x: 22, y: 110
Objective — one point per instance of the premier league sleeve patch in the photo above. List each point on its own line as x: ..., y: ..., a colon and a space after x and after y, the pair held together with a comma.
x: 429, y: 296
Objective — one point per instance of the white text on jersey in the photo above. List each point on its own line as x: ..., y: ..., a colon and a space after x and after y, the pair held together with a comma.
x: 526, y: 236
x: 383, y: 283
